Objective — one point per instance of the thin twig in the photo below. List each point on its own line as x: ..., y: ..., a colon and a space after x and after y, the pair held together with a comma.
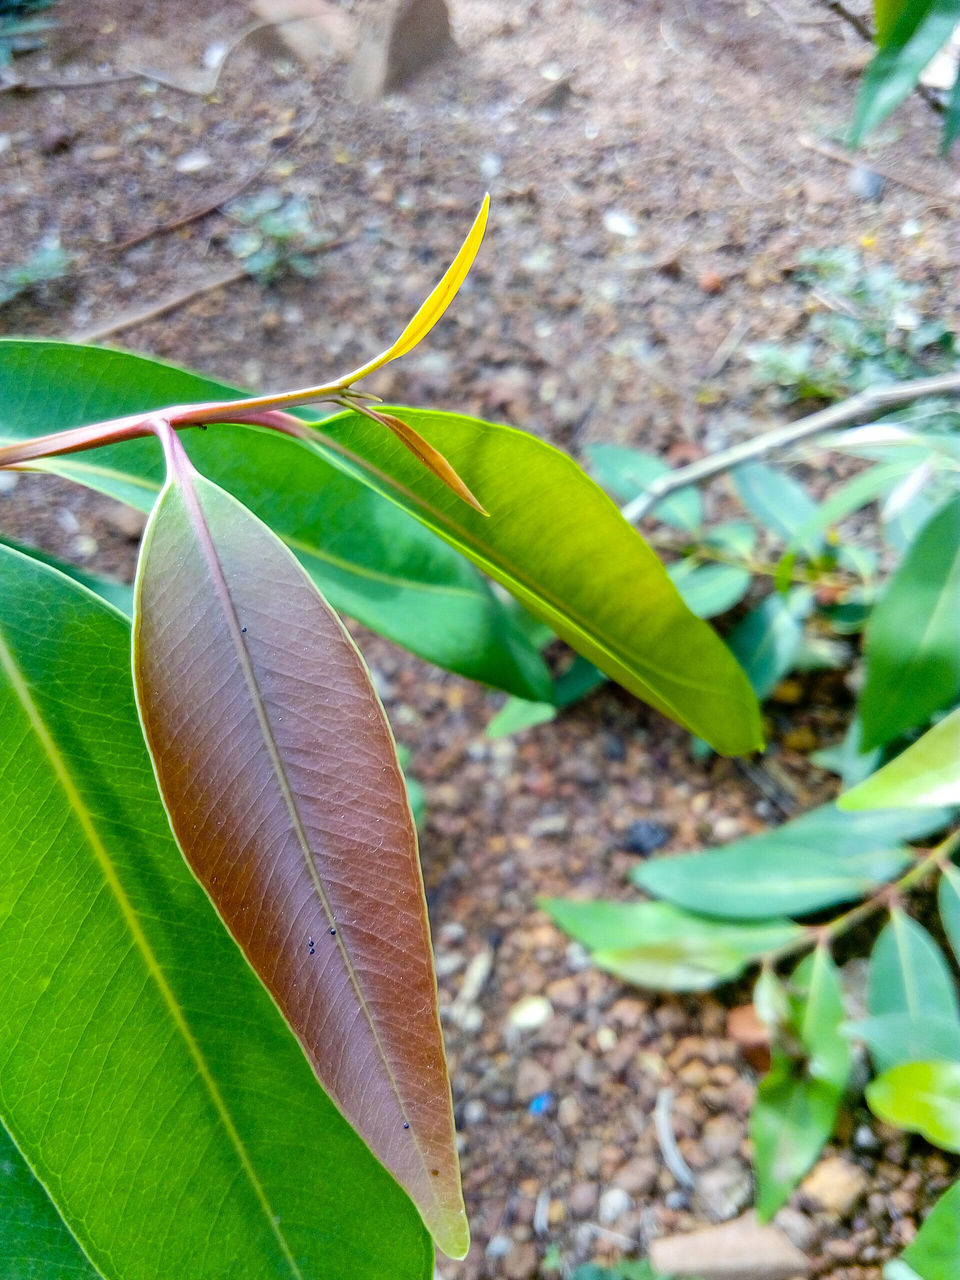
x: 133, y: 318
x: 211, y: 206
x: 889, y: 175
x: 858, y: 409
x: 663, y: 1127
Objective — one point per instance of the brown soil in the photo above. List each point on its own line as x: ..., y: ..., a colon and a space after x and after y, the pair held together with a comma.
x: 685, y: 120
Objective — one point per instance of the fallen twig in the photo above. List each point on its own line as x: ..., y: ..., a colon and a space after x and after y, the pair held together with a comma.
x: 663, y: 1126
x: 843, y: 157
x: 224, y: 197
x: 133, y: 318
x: 858, y: 409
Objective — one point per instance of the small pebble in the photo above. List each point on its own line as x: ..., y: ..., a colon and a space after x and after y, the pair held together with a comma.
x: 865, y: 182
x: 644, y: 837
x: 613, y: 1204
x: 619, y: 223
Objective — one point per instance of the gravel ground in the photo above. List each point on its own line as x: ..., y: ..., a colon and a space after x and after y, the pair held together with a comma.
x: 651, y: 188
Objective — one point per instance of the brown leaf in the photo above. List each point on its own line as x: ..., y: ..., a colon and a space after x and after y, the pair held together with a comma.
x: 280, y: 776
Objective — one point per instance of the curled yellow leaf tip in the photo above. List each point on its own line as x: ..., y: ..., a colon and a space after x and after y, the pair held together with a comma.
x: 438, y: 301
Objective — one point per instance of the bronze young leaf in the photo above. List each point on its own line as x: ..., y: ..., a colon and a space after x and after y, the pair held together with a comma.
x: 280, y: 777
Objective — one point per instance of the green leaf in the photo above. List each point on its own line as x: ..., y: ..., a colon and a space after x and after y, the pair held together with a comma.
x: 816, y: 861
x: 555, y: 541
x: 119, y: 594
x: 951, y: 121
x: 888, y: 12
x: 738, y: 537
x: 920, y: 31
x: 293, y: 815
x: 893, y: 1038
x: 518, y: 714
x: 146, y: 1075
x: 934, y: 1253
x: 908, y: 974
x: 949, y: 903
x: 846, y: 757
x: 34, y: 1241
x: 561, y: 547
x: 709, y: 589
x: 927, y: 773
x: 371, y: 561
x: 797, y: 1101
x: 626, y: 473
x: 922, y: 1097
x: 654, y: 944
x: 913, y: 638
x: 778, y: 502
x: 767, y: 640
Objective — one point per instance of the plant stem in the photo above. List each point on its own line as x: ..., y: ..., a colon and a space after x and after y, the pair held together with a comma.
x: 759, y: 568
x: 858, y: 409
x: 815, y: 934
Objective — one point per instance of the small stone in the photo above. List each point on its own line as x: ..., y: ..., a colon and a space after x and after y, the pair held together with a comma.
x: 193, y: 162
x: 529, y: 1013
x: 612, y: 1205
x: 638, y: 1176
x: 569, y: 1112
x: 128, y: 521
x: 712, y: 282
x: 835, y: 1186
x: 499, y: 1246
x: 865, y: 182
x: 474, y: 1111
x: 797, y: 1227
x: 725, y: 1190
x: 644, y: 837
x: 582, y: 1199
x: 619, y: 223
x: 864, y: 1139
x: 531, y: 1079
x: 738, y: 1250
x: 521, y: 1262
x: 721, y: 1136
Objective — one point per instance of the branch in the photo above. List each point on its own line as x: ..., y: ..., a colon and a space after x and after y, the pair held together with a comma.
x: 858, y: 409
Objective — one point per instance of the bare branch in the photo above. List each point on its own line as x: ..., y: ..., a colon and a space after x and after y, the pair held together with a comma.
x: 859, y: 409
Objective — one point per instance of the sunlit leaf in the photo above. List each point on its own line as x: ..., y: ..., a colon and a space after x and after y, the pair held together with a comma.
x: 146, y: 1074
x: 280, y: 776
x: 927, y: 773
x: 654, y: 944
x: 517, y: 714
x: 923, y: 1097
x: 797, y: 1101
x: 913, y: 638
x: 816, y: 861
x: 934, y: 1253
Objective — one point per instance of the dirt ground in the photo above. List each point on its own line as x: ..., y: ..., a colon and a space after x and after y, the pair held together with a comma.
x: 652, y: 185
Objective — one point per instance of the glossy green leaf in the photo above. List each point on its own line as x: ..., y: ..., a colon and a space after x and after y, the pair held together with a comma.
x: 738, y: 537
x: 949, y: 903
x: 887, y: 12
x: 128, y: 1011
x: 656, y: 945
x: 934, y: 1253
x: 281, y: 780
x: 821, y: 859
x: 119, y: 594
x: 927, y: 773
x: 847, y: 759
x: 562, y: 548
x: 709, y: 589
x: 767, y: 640
x: 951, y: 121
x: 913, y: 638
x: 899, y: 1037
x: 371, y: 561
x: 626, y: 473
x: 797, y: 1101
x: 778, y: 502
x: 35, y: 1243
x: 908, y: 975
x: 919, y: 32
x: 923, y: 1097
